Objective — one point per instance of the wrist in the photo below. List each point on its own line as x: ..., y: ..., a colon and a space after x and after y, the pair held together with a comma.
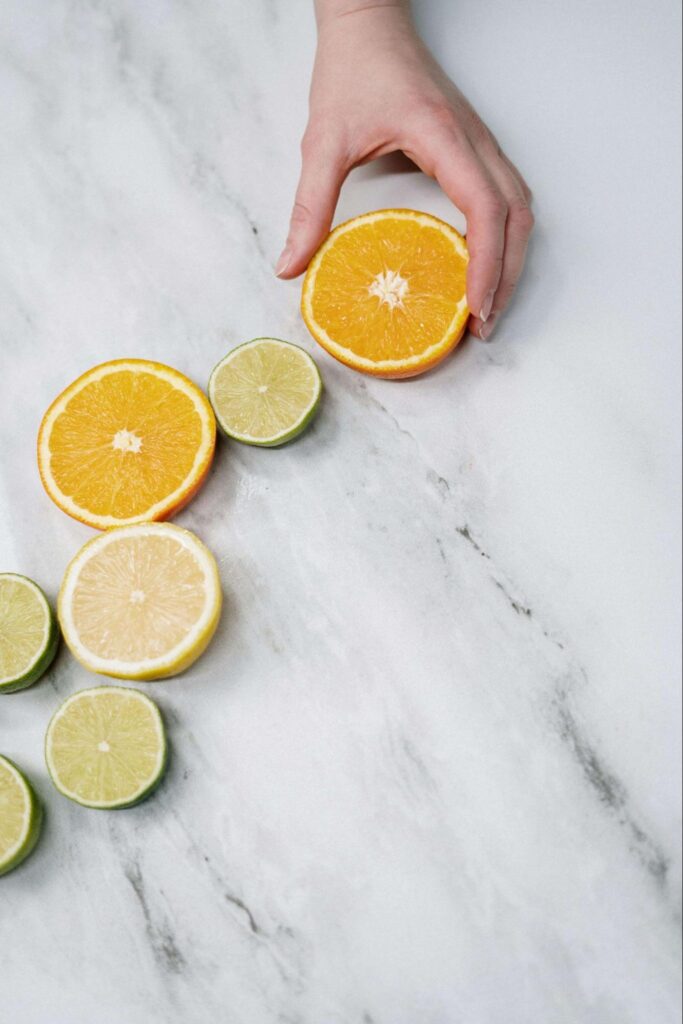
x: 328, y: 12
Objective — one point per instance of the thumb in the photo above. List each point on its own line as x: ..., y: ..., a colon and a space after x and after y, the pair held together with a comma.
x: 324, y: 168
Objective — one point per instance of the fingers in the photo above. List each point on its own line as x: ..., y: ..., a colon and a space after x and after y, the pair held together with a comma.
x: 491, y: 192
x: 468, y: 183
x: 324, y: 167
x: 475, y: 175
x: 526, y: 191
x: 518, y: 227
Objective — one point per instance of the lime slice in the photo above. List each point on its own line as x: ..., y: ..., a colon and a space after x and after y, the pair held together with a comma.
x: 140, y: 602
x: 28, y: 633
x: 21, y: 816
x: 106, y: 747
x: 265, y: 392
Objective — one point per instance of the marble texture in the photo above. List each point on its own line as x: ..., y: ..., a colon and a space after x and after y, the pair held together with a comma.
x: 428, y: 771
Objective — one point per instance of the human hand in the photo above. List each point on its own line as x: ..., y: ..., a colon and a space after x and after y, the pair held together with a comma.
x: 376, y: 89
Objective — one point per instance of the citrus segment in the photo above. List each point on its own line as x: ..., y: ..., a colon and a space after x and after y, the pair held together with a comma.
x: 385, y: 293
x: 106, y: 747
x: 20, y: 816
x: 28, y: 633
x: 140, y: 602
x: 265, y: 392
x: 129, y: 441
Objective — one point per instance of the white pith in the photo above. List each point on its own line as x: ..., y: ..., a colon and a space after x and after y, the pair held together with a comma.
x: 23, y: 581
x: 156, y: 511
x: 347, y: 354
x: 126, y: 441
x: 133, y: 695
x: 128, y: 669
x: 263, y: 388
x: 14, y: 850
x: 390, y: 288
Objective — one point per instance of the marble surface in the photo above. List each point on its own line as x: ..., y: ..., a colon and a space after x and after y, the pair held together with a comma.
x: 427, y: 773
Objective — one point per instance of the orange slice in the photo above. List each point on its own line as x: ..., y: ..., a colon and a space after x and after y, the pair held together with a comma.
x: 385, y: 293
x: 129, y: 441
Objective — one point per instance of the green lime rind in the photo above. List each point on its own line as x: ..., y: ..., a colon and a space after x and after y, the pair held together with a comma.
x: 46, y: 656
x: 34, y: 827
x: 285, y: 436
x: 115, y: 805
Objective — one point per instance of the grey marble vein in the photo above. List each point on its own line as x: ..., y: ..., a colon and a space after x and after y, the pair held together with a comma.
x: 426, y: 772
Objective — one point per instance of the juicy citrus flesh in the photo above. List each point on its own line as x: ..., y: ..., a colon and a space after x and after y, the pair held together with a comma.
x: 19, y: 817
x: 140, y: 602
x: 264, y: 391
x: 129, y: 441
x: 25, y: 630
x: 386, y: 292
x: 106, y: 747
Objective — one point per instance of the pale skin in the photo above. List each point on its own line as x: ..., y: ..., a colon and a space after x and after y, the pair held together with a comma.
x: 376, y: 89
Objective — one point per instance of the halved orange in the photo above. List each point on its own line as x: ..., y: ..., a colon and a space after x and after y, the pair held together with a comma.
x: 385, y: 293
x: 129, y: 441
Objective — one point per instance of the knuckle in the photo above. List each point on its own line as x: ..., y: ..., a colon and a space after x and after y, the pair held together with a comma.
x: 440, y: 121
x: 522, y: 217
x: 313, y: 139
x: 440, y: 115
x: 320, y: 144
x: 479, y: 133
x: 493, y: 203
x: 301, y: 213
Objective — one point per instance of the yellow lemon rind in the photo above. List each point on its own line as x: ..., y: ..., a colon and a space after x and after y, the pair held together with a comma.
x: 186, y: 652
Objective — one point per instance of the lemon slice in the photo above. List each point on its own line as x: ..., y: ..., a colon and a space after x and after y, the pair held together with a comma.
x: 140, y: 602
x: 21, y: 816
x: 106, y: 747
x: 265, y: 392
x: 28, y: 633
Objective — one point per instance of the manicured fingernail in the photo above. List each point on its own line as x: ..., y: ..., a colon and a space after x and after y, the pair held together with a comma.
x: 486, y: 330
x: 487, y: 306
x: 283, y: 262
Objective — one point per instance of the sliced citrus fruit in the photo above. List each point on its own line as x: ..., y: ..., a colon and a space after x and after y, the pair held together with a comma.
x: 265, y: 392
x: 385, y: 293
x: 140, y: 602
x: 106, y: 747
x: 28, y: 633
x: 129, y: 441
x: 21, y: 816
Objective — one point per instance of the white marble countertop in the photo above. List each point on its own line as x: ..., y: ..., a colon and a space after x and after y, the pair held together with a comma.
x: 427, y: 773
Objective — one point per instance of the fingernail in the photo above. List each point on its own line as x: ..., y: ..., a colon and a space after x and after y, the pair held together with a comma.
x: 487, y: 305
x: 486, y: 330
x: 283, y: 262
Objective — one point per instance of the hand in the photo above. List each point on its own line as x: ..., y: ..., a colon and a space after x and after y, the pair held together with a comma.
x: 376, y: 89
